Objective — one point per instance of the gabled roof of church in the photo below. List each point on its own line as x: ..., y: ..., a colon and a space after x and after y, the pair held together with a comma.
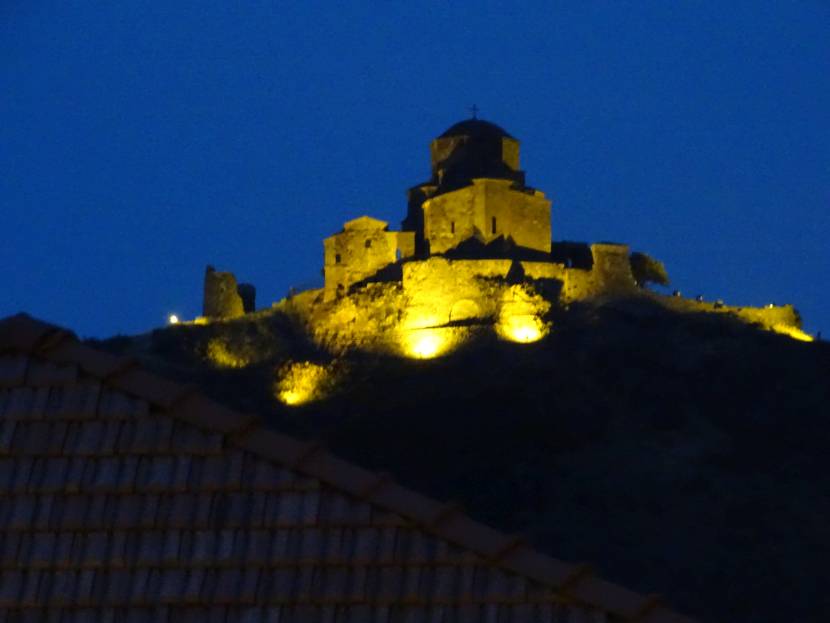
x: 128, y: 497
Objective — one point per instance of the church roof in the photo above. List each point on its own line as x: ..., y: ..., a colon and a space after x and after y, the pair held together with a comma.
x: 126, y: 497
x: 362, y: 223
x: 475, y: 128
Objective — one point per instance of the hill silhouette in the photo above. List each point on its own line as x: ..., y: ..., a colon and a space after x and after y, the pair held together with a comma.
x: 682, y: 454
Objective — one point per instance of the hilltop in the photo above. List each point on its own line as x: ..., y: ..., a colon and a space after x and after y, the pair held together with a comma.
x: 676, y: 444
x: 682, y: 453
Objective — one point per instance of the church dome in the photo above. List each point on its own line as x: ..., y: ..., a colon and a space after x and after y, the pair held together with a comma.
x: 473, y: 149
x: 475, y: 128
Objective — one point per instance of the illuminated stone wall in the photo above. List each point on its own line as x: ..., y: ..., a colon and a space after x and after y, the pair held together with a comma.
x: 440, y: 304
x: 609, y: 275
x: 439, y: 291
x: 486, y: 210
x: 366, y: 319
x: 364, y: 247
x: 778, y: 318
x: 433, y: 310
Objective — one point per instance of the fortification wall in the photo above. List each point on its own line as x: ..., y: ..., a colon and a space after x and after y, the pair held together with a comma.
x: 609, y: 275
x: 366, y: 319
x: 439, y: 291
x: 773, y: 318
x: 545, y: 270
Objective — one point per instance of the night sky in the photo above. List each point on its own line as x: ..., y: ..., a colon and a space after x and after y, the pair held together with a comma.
x: 140, y: 141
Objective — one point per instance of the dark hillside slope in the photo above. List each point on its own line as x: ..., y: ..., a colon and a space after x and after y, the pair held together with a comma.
x: 680, y: 454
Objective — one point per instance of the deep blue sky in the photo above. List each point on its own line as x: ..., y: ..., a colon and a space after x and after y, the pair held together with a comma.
x: 140, y: 141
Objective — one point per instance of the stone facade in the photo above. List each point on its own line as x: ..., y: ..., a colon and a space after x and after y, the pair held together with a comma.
x: 361, y: 250
x: 476, y: 194
x: 486, y: 210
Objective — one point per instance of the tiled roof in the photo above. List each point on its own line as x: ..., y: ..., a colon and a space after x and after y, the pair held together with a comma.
x: 125, y: 497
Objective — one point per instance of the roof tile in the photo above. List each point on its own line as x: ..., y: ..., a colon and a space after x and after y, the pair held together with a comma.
x: 141, y: 435
x: 271, y: 445
x: 609, y: 596
x: 62, y: 587
x: 662, y: 615
x: 94, y: 362
x: 29, y: 593
x: 22, y: 333
x: 19, y: 403
x: 172, y: 584
x: 11, y: 585
x: 7, y: 430
x: 78, y: 402
x: 193, y: 586
x: 43, y: 511
x: 154, y: 389
x: 541, y: 568
x: 194, y: 440
x: 199, y: 411
x: 22, y: 472
x: 48, y: 374
x: 117, y: 405
x: 118, y: 586
x: 32, y: 438
x: 9, y: 548
x: 13, y: 369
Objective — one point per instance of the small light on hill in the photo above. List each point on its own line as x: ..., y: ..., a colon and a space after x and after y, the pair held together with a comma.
x: 523, y: 329
x: 172, y: 319
x: 301, y: 382
x: 793, y: 332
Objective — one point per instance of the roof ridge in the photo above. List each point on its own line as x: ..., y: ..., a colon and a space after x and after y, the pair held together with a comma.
x: 22, y: 333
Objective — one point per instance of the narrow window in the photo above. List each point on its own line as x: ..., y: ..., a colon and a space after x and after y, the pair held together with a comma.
x: 493, y: 226
x: 368, y: 243
x: 336, y: 258
x: 452, y: 227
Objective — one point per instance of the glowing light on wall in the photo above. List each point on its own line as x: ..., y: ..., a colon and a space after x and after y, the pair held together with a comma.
x: 793, y: 332
x: 523, y: 328
x: 221, y: 355
x: 425, y: 343
x: 301, y: 382
x: 520, y: 317
x: 431, y: 342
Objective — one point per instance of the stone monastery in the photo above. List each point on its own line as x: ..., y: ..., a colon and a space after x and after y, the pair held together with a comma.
x: 480, y: 218
x: 474, y: 253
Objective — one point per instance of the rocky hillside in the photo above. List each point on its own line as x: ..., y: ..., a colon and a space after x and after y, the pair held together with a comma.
x: 683, y: 454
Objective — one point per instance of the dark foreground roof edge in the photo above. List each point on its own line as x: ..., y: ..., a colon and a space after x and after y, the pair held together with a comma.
x: 23, y: 334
